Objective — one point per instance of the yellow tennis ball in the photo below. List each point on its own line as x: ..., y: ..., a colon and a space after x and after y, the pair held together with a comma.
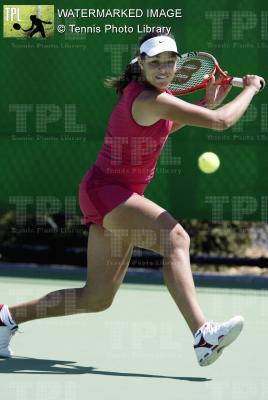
x: 208, y: 162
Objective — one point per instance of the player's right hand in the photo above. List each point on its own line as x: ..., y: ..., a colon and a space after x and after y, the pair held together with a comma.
x: 255, y: 81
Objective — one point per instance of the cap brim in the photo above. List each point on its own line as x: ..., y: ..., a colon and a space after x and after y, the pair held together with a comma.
x: 161, y: 48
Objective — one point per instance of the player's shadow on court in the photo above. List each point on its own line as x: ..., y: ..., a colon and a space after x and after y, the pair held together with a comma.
x: 38, y: 366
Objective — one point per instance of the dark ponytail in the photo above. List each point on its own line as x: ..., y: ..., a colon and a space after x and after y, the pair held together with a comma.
x: 132, y: 72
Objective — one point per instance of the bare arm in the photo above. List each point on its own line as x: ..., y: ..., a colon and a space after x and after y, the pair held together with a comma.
x: 179, y: 111
x: 168, y: 107
x: 202, y: 103
x: 178, y: 125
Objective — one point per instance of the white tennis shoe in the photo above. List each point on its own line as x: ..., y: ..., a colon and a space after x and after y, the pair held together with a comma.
x: 6, y: 334
x: 213, y: 337
x: 8, y: 328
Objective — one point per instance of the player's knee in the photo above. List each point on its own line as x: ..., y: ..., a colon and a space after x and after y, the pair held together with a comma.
x: 176, y: 239
x: 98, y: 305
x: 101, y: 305
x: 95, y: 303
x: 184, y: 237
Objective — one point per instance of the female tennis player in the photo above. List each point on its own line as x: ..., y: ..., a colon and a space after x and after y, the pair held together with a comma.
x: 118, y: 214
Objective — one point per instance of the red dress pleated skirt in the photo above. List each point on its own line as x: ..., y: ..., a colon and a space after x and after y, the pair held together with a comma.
x: 100, y: 193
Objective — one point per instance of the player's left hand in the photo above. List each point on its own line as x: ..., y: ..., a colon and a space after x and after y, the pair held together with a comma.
x: 215, y: 94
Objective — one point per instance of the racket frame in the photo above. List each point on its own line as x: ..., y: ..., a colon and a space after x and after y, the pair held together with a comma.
x: 223, y: 80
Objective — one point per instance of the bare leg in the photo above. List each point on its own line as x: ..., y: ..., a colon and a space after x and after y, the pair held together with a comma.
x: 54, y: 304
x: 152, y: 227
x: 179, y: 281
x: 105, y: 274
x: 178, y: 278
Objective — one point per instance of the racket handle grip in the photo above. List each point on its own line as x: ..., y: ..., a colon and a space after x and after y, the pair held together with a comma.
x: 237, y: 82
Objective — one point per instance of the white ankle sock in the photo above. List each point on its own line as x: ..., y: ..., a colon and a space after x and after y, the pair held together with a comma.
x: 6, y: 317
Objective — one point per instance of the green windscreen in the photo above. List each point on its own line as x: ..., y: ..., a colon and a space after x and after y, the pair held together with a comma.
x: 54, y: 106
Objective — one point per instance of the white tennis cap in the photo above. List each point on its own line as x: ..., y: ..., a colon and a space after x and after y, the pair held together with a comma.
x: 157, y: 45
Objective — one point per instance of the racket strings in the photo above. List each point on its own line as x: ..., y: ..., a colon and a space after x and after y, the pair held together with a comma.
x: 190, y: 72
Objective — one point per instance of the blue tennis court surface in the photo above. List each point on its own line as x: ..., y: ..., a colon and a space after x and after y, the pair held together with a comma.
x: 139, y: 348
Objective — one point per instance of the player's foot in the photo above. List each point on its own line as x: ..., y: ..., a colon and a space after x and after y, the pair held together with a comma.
x: 213, y: 337
x: 8, y: 328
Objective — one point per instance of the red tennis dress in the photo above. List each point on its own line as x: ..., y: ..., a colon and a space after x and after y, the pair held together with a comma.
x: 126, y: 163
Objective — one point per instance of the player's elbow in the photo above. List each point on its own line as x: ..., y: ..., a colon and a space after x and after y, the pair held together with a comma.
x: 222, y: 122
x: 223, y: 125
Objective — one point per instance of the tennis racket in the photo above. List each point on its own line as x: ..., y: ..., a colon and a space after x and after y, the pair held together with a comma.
x: 195, y: 69
x: 18, y: 27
